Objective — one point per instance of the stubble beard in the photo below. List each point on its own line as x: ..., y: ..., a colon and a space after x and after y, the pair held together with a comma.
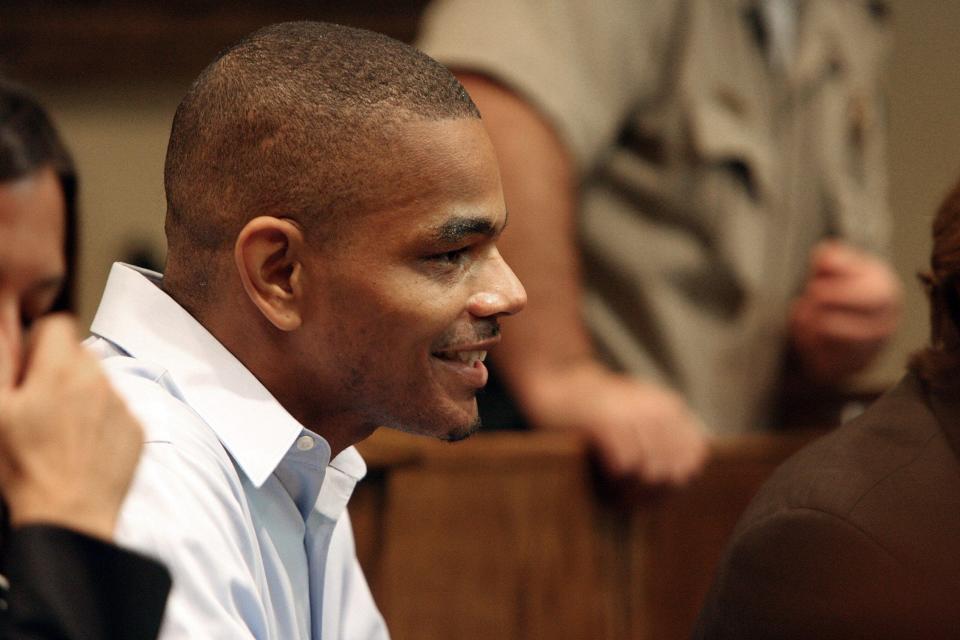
x: 462, y: 433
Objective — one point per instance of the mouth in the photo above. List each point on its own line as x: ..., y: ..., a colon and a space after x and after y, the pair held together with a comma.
x: 466, y: 362
x: 469, y: 358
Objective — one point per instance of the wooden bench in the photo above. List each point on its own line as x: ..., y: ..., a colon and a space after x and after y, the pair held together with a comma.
x: 515, y: 536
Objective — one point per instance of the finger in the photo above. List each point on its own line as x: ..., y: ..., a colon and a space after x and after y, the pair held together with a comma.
x: 616, y: 452
x: 810, y: 309
x: 653, y: 473
x: 659, y: 454
x: 664, y: 440
x: 844, y: 326
x: 874, y: 292
x: 835, y: 257
x: 689, y: 459
x: 52, y: 342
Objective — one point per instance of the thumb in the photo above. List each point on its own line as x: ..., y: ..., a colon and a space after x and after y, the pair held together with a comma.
x: 835, y: 257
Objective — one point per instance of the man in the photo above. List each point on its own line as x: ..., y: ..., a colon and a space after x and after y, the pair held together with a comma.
x: 333, y: 208
x: 696, y: 188
x: 68, y: 446
x: 856, y: 536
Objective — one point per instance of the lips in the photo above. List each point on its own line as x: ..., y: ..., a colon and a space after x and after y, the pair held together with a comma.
x: 467, y: 357
x: 465, y: 364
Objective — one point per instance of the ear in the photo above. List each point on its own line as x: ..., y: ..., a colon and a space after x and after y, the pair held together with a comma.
x: 269, y: 257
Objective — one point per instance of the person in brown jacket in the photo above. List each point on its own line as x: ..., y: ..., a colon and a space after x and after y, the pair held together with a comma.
x: 858, y: 535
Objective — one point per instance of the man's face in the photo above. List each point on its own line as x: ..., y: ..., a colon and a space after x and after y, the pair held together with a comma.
x: 32, y: 264
x: 403, y: 303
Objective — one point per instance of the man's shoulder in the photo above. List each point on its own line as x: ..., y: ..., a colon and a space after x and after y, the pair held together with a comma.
x: 179, y: 446
x: 156, y: 401
x: 186, y: 506
x: 182, y: 455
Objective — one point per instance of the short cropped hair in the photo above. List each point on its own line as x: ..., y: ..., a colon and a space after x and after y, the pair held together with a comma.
x: 28, y: 143
x: 291, y: 122
x: 938, y: 364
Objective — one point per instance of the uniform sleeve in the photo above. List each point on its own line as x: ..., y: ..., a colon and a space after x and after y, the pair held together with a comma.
x: 66, y: 585
x: 810, y: 574
x: 575, y: 62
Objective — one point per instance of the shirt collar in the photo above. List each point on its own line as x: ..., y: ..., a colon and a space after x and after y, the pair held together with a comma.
x: 136, y: 315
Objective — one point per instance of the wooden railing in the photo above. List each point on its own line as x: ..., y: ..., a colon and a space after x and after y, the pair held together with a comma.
x: 515, y: 536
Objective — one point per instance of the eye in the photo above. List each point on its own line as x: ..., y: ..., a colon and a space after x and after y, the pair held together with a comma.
x: 450, y: 257
x: 27, y: 319
x: 35, y: 307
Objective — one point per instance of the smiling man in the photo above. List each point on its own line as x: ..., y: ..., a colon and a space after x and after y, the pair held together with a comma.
x: 333, y: 208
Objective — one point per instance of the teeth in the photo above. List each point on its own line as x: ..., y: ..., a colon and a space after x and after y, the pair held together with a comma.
x: 471, y: 357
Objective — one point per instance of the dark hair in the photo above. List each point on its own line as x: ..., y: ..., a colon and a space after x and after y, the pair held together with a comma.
x: 938, y: 364
x: 293, y: 121
x: 28, y: 143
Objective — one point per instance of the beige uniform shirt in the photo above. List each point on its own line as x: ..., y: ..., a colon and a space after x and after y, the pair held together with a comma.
x: 708, y: 167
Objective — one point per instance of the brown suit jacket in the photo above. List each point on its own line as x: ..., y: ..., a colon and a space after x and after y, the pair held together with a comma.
x: 856, y: 536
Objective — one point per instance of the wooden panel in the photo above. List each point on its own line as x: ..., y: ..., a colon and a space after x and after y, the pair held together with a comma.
x: 676, y: 540
x: 488, y: 540
x: 508, y: 535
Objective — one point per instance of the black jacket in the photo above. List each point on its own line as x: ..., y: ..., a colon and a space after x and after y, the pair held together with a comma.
x: 66, y: 585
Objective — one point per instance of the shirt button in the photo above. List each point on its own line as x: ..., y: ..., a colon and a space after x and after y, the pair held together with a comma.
x: 305, y: 443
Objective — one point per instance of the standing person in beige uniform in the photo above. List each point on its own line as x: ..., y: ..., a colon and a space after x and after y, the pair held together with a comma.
x: 696, y: 186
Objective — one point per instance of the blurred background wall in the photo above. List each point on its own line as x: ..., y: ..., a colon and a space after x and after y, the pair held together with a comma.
x: 924, y: 147
x: 112, y: 73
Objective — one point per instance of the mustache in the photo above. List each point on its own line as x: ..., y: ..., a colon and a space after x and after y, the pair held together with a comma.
x: 478, y: 332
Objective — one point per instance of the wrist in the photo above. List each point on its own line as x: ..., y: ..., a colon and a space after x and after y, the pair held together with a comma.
x: 552, y: 396
x: 94, y: 521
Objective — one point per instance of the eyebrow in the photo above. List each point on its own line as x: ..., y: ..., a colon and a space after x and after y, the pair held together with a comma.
x: 456, y: 229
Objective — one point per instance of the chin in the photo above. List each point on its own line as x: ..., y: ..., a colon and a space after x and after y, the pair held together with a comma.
x: 447, y: 423
x: 462, y: 433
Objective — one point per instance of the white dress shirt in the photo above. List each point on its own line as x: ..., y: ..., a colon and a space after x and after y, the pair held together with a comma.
x: 238, y: 499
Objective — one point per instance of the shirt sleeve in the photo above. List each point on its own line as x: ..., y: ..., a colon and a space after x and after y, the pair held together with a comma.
x: 576, y: 62
x: 67, y: 585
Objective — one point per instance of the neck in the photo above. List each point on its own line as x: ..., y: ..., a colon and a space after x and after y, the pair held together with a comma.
x: 269, y: 355
x: 272, y: 357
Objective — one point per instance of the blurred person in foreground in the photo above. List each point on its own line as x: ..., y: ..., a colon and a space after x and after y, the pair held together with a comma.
x: 696, y: 191
x: 857, y: 535
x: 333, y: 208
x: 68, y: 446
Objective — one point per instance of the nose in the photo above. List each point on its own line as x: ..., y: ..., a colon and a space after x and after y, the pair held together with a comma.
x: 501, y: 292
x: 11, y: 340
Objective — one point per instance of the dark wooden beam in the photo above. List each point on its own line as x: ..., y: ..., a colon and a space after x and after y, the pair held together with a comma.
x: 80, y: 43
